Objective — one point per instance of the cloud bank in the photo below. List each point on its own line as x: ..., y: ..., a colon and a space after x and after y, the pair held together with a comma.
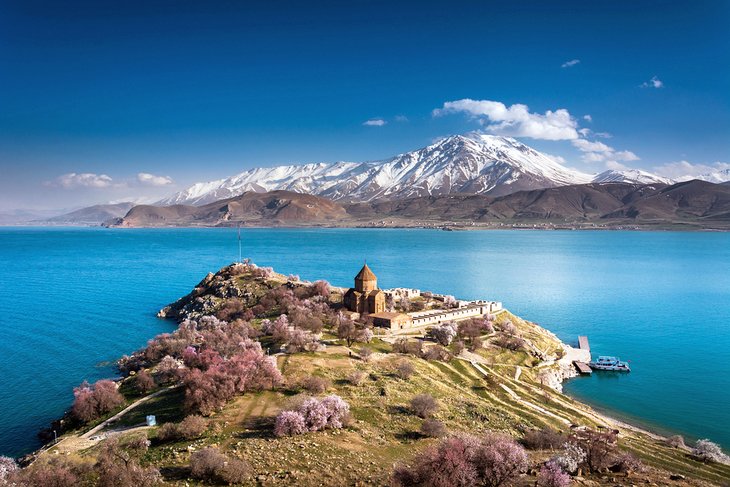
x: 148, y: 179
x: 74, y: 180
x: 515, y: 120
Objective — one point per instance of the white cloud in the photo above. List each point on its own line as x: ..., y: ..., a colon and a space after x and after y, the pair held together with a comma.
x: 374, y: 122
x: 686, y: 169
x: 401, y: 118
x: 515, y: 120
x: 654, y: 82
x: 570, y: 64
x: 587, y: 118
x: 74, y: 180
x: 594, y: 152
x: 148, y: 179
x: 587, y: 146
x: 615, y: 165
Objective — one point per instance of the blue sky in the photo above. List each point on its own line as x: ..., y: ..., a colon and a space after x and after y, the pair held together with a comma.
x: 185, y: 91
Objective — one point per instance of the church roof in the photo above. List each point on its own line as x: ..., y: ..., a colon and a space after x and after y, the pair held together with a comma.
x: 365, y: 274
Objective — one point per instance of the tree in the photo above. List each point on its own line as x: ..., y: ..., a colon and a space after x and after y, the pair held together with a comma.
x: 90, y: 402
x: 346, y: 330
x: 7, y: 467
x: 424, y: 405
x: 709, y: 452
x: 143, y: 382
x: 290, y: 423
x: 599, y: 448
x: 571, y: 457
x: 447, y: 464
x: 321, y: 288
x: 444, y: 334
x: 499, y: 459
x: 118, y: 465
x: 551, y: 475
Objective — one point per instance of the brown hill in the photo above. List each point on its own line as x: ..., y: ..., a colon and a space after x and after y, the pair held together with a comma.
x: 698, y: 203
x: 273, y: 208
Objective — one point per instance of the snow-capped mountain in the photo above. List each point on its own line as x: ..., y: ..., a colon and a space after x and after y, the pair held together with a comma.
x: 633, y: 176
x: 472, y: 163
x: 719, y: 176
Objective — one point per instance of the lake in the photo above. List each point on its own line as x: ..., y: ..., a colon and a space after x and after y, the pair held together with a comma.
x: 75, y: 299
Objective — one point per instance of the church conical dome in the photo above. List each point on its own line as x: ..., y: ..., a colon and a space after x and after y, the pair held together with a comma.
x: 365, y: 274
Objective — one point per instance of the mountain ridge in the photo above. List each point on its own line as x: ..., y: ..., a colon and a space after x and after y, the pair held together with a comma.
x: 697, y: 203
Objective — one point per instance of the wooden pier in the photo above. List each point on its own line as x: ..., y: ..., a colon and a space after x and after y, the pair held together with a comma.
x: 583, y: 368
x: 583, y: 343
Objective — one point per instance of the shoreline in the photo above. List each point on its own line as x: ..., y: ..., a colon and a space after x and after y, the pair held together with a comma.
x: 449, y: 227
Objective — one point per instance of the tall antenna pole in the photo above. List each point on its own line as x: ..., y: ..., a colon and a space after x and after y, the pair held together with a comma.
x: 240, y: 256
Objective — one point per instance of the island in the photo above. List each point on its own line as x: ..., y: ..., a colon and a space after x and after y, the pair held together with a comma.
x: 272, y: 380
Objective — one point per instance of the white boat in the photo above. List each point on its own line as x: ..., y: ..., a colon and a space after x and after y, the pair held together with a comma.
x: 610, y: 363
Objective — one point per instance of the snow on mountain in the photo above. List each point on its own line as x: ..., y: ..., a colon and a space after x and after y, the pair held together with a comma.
x: 719, y: 176
x: 633, y: 176
x: 472, y: 163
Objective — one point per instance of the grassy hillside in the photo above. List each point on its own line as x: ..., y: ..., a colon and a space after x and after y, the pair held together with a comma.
x: 384, y: 430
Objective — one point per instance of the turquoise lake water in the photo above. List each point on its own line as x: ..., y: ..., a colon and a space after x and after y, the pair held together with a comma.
x: 74, y: 300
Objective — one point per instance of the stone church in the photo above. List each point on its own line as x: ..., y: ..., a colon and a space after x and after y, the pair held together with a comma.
x: 365, y: 297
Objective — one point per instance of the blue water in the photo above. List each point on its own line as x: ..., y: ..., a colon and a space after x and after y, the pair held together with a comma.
x: 73, y: 299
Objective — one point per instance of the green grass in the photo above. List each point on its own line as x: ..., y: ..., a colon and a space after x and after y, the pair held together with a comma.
x: 167, y: 407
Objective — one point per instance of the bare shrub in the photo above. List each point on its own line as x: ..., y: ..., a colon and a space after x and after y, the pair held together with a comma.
x: 192, y: 427
x: 235, y: 471
x: 458, y: 347
x: 628, y: 463
x: 365, y: 354
x: 544, y: 439
x: 315, y: 384
x: 676, y: 441
x: 437, y: 352
x: 357, y: 377
x: 206, y: 464
x: 510, y: 342
x: 424, y: 405
x: 410, y: 347
x: 433, y: 428
x: 404, y: 370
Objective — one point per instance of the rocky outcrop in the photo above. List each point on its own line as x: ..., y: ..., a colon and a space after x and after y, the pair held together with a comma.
x: 210, y: 293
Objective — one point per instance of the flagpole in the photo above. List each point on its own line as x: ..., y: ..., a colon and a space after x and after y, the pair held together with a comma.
x: 240, y: 256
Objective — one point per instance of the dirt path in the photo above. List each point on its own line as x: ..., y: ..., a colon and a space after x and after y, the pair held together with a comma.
x: 75, y: 443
